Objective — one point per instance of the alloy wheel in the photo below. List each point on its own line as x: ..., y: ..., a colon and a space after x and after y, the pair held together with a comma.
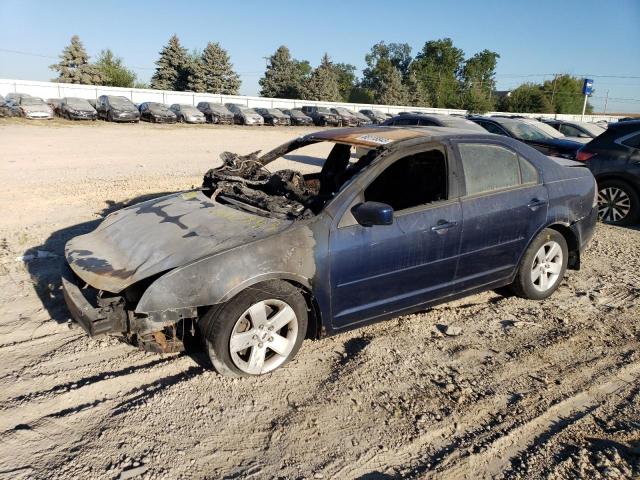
x: 614, y: 204
x: 546, y: 267
x: 263, y: 337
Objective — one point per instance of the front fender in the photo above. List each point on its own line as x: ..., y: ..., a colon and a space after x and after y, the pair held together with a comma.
x: 215, y: 279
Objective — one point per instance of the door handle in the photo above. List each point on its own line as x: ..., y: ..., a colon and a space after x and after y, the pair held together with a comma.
x: 535, y: 203
x: 443, y: 227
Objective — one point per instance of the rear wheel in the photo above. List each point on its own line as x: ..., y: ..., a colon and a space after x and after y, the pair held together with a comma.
x: 257, y: 331
x: 618, y: 203
x: 542, y: 267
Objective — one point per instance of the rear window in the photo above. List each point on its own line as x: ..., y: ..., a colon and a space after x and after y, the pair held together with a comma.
x: 492, y: 167
x: 633, y: 141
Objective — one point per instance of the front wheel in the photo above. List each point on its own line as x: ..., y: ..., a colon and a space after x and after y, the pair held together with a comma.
x: 542, y: 267
x: 618, y: 203
x: 257, y: 331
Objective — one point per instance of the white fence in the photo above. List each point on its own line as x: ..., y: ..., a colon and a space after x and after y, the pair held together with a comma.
x: 138, y: 95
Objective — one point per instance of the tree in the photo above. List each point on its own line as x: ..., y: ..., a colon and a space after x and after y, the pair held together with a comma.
x: 416, y: 95
x: 173, y: 67
x: 212, y: 72
x: 346, y: 78
x: 323, y: 84
x: 383, y: 77
x: 527, y: 98
x: 285, y: 76
x: 565, y: 94
x: 390, y: 90
x: 478, y: 81
x: 114, y: 73
x: 437, y: 68
x: 398, y: 54
x: 74, y: 66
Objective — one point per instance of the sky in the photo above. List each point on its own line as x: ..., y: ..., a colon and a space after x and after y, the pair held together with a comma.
x: 534, y: 39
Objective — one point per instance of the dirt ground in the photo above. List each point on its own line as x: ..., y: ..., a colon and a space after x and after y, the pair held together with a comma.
x: 527, y: 390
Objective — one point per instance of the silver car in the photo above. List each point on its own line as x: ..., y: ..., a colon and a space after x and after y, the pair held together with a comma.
x: 22, y: 105
x: 244, y: 115
x: 187, y: 113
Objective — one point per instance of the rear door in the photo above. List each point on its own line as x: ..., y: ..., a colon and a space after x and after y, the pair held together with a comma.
x: 503, y: 206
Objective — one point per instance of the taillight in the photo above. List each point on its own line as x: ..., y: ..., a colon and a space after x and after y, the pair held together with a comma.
x: 583, y: 156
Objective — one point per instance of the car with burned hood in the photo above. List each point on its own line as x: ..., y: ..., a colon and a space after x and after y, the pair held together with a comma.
x: 273, y: 116
x: 156, y: 113
x: 322, y: 116
x: 115, y: 108
x: 256, y: 261
x: 216, y: 113
x: 297, y: 117
x: 26, y: 106
x: 187, y: 113
x: 73, y: 108
x: 244, y: 115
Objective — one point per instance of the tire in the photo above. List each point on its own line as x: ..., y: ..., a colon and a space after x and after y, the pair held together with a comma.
x: 618, y: 203
x: 542, y: 266
x: 245, y: 320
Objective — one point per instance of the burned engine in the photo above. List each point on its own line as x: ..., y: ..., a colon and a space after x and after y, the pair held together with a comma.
x: 243, y: 180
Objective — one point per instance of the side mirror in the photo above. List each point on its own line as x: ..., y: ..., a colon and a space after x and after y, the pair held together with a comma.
x: 368, y: 214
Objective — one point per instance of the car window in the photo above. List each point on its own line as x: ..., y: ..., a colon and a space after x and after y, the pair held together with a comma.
x: 488, y: 167
x: 427, y: 123
x: 570, y: 131
x: 492, y: 128
x: 528, y: 172
x: 411, y: 181
x: 405, y: 121
x: 633, y: 142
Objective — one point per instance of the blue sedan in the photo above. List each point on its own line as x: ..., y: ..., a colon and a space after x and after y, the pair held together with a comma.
x: 397, y: 219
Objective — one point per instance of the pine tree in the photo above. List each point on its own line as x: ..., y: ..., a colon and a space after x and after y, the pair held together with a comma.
x: 390, y: 90
x: 416, y: 95
x: 323, y: 84
x: 213, y: 72
x: 284, y: 76
x: 172, y: 69
x: 114, y: 72
x: 74, y: 66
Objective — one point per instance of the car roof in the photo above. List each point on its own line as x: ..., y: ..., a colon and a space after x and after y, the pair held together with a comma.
x: 377, y: 136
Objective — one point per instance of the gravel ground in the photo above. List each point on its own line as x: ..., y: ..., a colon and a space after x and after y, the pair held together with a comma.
x: 526, y: 390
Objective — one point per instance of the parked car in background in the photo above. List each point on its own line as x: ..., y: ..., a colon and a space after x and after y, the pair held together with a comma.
x: 376, y: 116
x: 54, y: 103
x: 584, y: 130
x: 265, y: 247
x: 432, y: 120
x: 73, y: 108
x: 348, y: 118
x: 216, y: 113
x: 5, y: 111
x: 26, y: 106
x: 322, y: 116
x: 273, y: 116
x: 614, y: 159
x: 244, y: 115
x: 155, y: 112
x: 113, y: 108
x: 187, y: 113
x: 523, y: 130
x: 364, y: 120
x: 298, y: 117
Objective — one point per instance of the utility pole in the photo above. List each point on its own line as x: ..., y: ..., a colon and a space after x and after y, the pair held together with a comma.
x: 606, y: 100
x: 553, y: 92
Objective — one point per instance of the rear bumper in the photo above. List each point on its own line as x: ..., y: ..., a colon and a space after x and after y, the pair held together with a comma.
x: 108, y: 318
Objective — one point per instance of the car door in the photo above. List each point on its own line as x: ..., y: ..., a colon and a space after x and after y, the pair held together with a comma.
x: 381, y: 270
x: 503, y: 206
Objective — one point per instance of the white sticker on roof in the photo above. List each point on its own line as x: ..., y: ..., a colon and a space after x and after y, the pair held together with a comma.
x: 374, y: 139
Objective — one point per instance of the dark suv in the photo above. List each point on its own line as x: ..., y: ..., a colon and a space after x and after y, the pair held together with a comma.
x: 117, y: 109
x: 322, y: 116
x: 614, y: 159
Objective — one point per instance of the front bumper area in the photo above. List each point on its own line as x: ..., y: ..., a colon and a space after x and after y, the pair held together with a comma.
x: 109, y: 317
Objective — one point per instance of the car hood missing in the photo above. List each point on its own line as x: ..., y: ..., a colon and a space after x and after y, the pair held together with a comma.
x: 159, y: 235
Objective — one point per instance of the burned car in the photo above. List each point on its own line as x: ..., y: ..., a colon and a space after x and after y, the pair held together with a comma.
x: 26, y: 106
x: 244, y: 115
x: 298, y: 117
x: 114, y: 108
x: 187, y: 113
x: 322, y: 116
x: 216, y: 113
x: 256, y: 261
x: 347, y: 117
x: 376, y: 116
x: 273, y: 116
x: 156, y: 113
x: 73, y: 108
